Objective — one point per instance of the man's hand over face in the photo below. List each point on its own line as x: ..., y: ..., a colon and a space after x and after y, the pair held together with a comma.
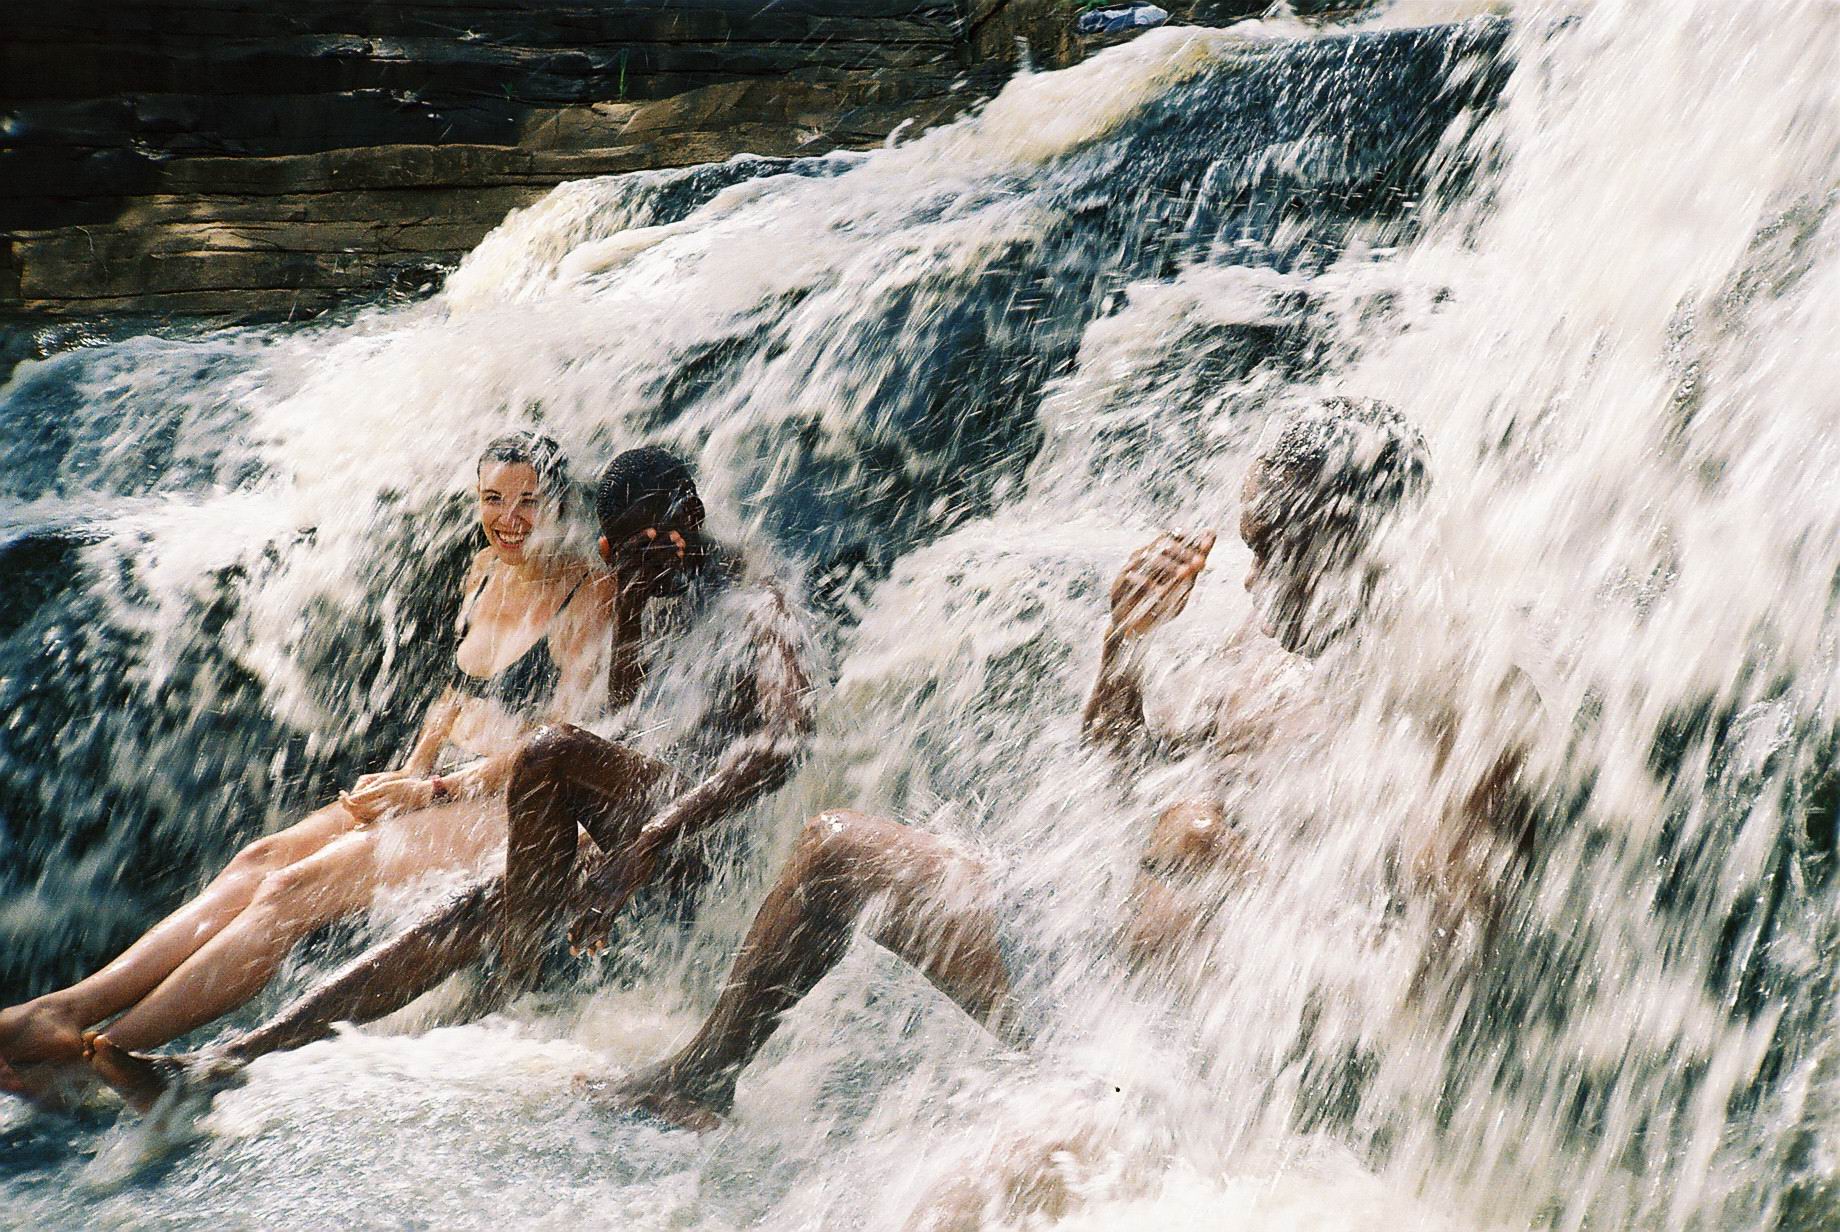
x: 645, y: 559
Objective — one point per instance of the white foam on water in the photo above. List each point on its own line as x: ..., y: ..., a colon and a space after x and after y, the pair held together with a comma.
x: 1617, y: 348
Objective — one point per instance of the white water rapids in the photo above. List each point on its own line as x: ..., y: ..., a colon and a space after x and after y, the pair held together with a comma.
x: 960, y: 379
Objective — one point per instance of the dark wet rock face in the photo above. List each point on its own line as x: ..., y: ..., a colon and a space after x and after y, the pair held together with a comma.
x: 119, y: 786
x: 244, y: 158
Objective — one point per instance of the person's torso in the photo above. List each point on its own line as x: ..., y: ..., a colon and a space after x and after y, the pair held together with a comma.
x: 702, y: 655
x: 498, y: 705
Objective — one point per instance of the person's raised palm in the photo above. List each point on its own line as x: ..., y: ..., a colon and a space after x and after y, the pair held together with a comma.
x: 1155, y: 584
x: 643, y: 560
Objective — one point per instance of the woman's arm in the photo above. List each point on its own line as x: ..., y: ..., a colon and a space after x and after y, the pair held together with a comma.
x: 436, y: 727
x: 438, y: 724
x: 579, y: 642
x: 385, y: 794
x: 404, y: 786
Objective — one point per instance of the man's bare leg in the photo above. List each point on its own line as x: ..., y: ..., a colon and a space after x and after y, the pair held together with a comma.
x: 386, y: 977
x: 379, y: 981
x: 912, y: 892
x: 563, y: 778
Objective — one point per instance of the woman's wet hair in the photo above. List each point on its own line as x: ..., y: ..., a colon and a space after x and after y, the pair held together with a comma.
x: 534, y: 450
x: 648, y: 486
x: 1341, y: 464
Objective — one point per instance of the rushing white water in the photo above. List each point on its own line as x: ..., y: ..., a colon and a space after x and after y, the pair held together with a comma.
x: 960, y: 379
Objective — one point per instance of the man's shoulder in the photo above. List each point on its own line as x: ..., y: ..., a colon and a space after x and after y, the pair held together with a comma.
x: 759, y: 594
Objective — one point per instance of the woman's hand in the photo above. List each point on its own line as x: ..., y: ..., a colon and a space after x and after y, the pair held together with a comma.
x: 375, y: 801
x: 1156, y: 582
x: 383, y: 776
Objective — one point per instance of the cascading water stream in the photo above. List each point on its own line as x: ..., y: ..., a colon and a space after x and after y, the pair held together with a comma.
x: 1593, y: 256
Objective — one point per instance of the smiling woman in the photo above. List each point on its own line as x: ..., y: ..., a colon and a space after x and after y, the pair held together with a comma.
x: 530, y: 625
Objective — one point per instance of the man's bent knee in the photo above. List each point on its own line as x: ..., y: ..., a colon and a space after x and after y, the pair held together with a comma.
x: 852, y: 851
x: 548, y: 751
x: 545, y: 759
x: 835, y: 835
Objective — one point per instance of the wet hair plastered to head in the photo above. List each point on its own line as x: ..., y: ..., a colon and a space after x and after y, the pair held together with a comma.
x: 1338, y: 467
x: 1321, y: 490
x: 645, y: 487
x: 534, y: 450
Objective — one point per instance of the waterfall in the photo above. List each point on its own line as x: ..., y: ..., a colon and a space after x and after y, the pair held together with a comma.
x: 1590, y: 251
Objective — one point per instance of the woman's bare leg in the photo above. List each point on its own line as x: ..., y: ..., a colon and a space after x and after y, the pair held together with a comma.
x: 379, y: 981
x: 913, y: 893
x: 233, y: 966
x: 338, y: 880
x: 48, y: 1028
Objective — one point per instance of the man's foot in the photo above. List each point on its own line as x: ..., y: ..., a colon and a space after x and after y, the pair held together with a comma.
x: 656, y: 1093
x: 142, y: 1077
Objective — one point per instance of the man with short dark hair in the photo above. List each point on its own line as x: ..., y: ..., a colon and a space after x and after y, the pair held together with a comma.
x: 1312, y: 503
x: 709, y: 683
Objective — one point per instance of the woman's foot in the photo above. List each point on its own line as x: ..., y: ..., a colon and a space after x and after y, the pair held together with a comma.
x: 39, y: 1033
x: 656, y: 1093
x: 41, y: 1055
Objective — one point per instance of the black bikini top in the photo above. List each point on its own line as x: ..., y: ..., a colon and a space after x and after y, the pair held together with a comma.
x: 528, y: 683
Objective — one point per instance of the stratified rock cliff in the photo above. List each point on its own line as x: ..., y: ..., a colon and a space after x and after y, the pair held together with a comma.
x: 251, y: 158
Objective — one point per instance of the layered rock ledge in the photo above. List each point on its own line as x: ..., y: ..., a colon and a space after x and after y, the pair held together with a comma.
x: 243, y: 159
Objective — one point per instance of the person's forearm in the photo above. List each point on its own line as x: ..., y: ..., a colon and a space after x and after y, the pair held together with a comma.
x: 434, y: 733
x: 625, y: 666
x: 1114, y: 714
x: 422, y: 757
x: 479, y: 780
x: 752, y: 766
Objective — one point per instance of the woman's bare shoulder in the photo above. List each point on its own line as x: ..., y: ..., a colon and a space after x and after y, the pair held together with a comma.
x: 600, y: 588
x: 475, y: 575
x: 590, y: 592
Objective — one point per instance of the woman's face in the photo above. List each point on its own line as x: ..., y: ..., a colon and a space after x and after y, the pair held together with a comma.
x: 511, y: 507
